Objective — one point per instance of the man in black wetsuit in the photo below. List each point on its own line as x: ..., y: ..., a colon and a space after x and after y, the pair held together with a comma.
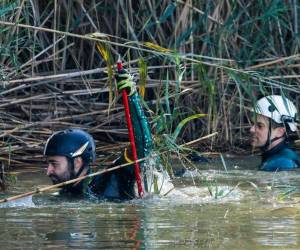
x: 70, y: 152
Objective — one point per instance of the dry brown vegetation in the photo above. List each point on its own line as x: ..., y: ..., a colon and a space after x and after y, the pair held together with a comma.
x: 214, y: 57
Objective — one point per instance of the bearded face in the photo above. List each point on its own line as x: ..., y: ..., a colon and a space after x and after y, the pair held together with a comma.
x: 59, y: 169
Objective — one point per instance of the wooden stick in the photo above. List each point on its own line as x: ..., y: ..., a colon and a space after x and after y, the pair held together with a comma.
x: 41, y: 190
x: 47, y: 188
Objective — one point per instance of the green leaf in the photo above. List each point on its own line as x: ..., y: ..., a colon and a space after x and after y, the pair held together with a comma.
x: 8, y: 8
x: 143, y: 76
x: 183, y: 122
x: 168, y: 12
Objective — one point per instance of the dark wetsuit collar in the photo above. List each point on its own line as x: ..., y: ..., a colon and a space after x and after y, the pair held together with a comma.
x: 273, y: 151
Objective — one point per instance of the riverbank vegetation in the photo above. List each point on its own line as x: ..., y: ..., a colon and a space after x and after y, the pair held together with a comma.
x: 188, y: 57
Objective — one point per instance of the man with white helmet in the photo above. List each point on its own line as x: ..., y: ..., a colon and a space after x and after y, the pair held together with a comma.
x: 275, y: 120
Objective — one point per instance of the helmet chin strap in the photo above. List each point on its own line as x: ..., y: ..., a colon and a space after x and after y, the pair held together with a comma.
x: 270, y: 141
x: 73, y: 186
x: 79, y: 171
x: 73, y: 175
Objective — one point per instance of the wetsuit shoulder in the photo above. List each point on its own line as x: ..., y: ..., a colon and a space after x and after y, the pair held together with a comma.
x: 278, y: 164
x: 115, y: 185
x: 286, y: 159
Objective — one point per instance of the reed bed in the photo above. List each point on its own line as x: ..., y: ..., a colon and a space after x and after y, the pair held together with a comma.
x: 188, y: 57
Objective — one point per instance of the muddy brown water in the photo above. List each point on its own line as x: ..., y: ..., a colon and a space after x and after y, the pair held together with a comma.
x: 211, y: 208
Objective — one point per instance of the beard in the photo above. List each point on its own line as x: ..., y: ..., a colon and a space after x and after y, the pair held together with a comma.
x: 58, y: 179
x: 68, y: 174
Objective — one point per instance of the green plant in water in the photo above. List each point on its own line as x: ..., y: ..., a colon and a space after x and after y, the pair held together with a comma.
x: 170, y: 115
x: 286, y: 194
x: 213, y: 188
x: 218, y: 193
x: 208, y: 87
x: 288, y: 190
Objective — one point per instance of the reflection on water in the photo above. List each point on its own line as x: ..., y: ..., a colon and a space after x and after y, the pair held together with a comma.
x: 211, y: 209
x: 277, y: 232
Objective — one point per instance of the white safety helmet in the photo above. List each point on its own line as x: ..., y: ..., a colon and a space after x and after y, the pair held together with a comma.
x: 279, y: 109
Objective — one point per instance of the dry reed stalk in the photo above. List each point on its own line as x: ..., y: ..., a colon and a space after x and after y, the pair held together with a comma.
x: 52, y: 77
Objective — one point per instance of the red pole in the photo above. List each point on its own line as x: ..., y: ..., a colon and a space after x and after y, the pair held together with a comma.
x: 131, y: 137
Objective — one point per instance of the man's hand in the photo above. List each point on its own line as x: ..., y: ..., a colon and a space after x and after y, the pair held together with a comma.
x: 125, y: 81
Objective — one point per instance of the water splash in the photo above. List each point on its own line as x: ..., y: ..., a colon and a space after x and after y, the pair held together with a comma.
x: 23, y: 202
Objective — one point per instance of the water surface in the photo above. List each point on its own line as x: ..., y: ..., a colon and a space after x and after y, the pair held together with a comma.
x: 211, y: 208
